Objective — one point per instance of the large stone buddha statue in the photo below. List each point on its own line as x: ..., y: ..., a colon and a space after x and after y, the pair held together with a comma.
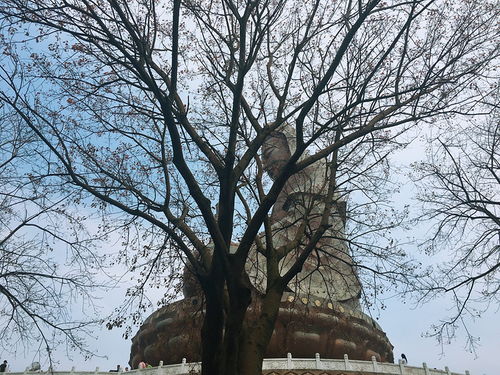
x: 320, y: 313
x: 328, y: 274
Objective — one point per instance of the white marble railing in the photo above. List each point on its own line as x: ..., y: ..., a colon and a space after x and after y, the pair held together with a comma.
x: 345, y: 365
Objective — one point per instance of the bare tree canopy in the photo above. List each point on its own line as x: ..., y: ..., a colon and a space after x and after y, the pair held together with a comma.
x: 161, y: 111
x: 460, y: 192
x: 46, y: 258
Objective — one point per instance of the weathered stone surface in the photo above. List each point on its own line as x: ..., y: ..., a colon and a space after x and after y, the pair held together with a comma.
x: 173, y: 333
x: 329, y: 272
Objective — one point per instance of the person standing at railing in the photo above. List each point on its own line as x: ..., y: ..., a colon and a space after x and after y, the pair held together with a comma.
x: 3, y: 366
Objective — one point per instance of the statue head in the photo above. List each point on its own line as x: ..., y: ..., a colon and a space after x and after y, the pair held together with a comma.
x: 275, y: 153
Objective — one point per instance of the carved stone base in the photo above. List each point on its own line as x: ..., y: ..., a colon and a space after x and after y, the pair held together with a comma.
x: 303, y: 329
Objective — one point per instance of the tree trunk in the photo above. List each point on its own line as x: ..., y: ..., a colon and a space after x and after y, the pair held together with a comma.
x: 213, y: 326
x: 234, y: 328
x: 211, y: 338
x: 257, y: 334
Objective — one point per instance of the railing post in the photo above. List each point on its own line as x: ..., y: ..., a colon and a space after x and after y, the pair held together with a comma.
x: 447, y: 370
x: 96, y: 370
x: 346, y: 362
x: 318, y: 361
x: 159, y: 369
x: 183, y: 365
x: 401, y: 367
x: 374, y: 364
x: 289, y: 363
x: 426, y: 369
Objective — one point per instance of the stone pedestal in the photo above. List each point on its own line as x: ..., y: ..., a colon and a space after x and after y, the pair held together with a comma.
x: 304, y: 327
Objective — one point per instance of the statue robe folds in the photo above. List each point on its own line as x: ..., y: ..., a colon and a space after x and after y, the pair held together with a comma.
x: 328, y: 274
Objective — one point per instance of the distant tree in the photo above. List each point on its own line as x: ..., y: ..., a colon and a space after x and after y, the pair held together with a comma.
x: 460, y: 194
x: 162, y: 112
x: 46, y: 261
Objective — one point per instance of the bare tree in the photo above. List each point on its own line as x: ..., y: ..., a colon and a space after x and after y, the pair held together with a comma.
x: 163, y: 111
x: 45, y: 259
x: 460, y: 194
